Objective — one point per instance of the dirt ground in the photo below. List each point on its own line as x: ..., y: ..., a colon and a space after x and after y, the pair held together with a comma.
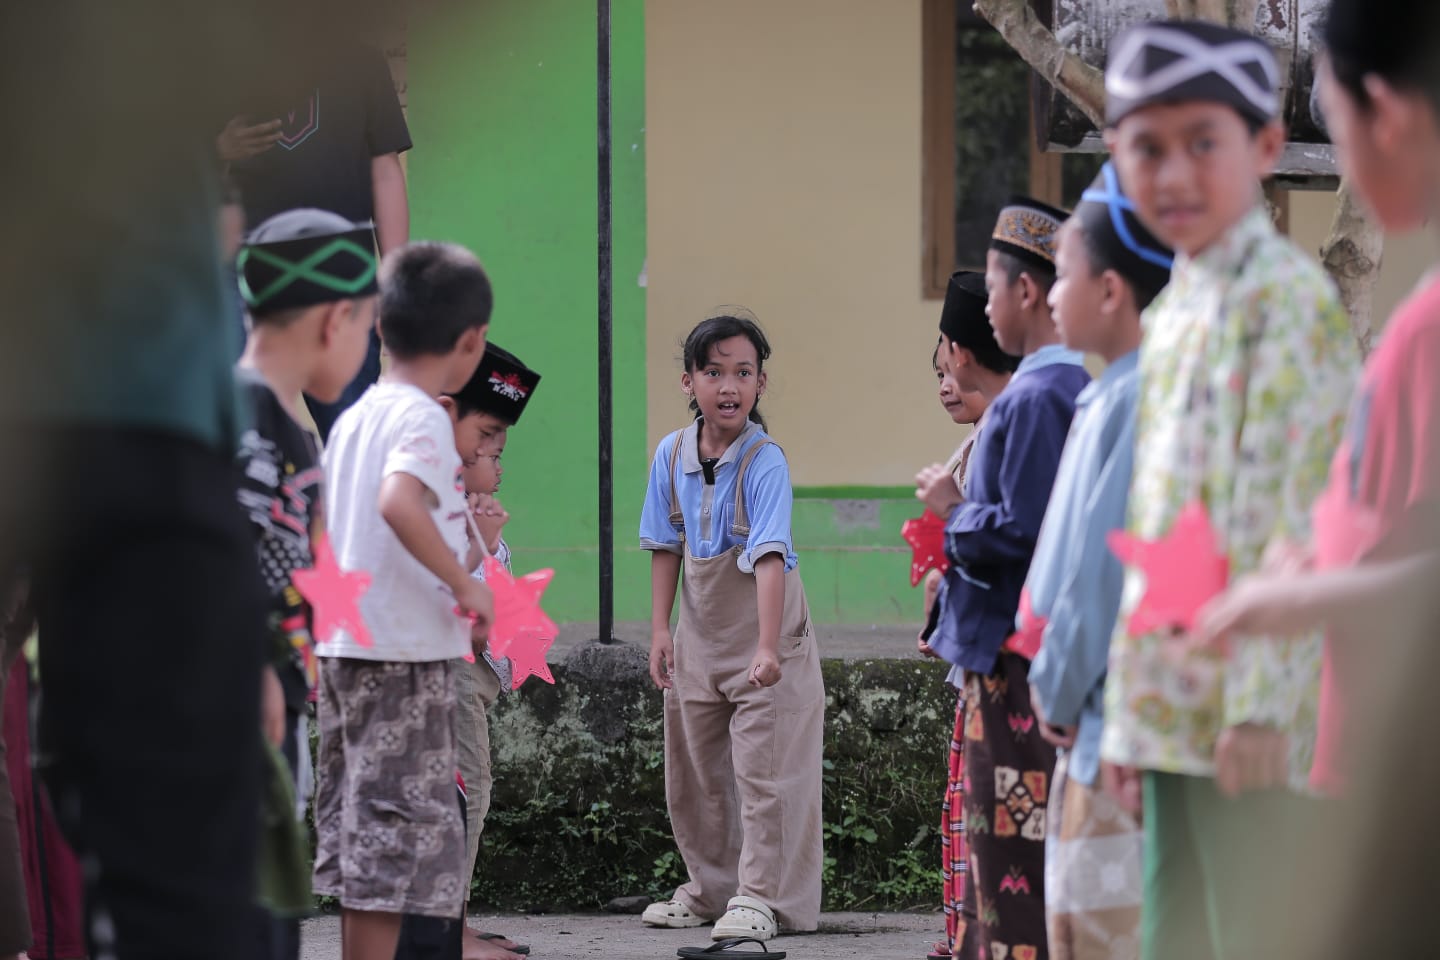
x: 842, y: 936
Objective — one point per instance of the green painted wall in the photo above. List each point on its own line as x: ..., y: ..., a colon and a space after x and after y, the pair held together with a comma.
x: 856, y: 567
x: 502, y: 108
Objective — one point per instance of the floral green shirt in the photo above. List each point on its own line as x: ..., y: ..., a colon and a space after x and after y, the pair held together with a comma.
x: 1245, y: 373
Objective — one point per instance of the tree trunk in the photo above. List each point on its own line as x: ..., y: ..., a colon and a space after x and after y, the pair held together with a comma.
x: 1352, y: 252
x: 1352, y: 257
x: 1017, y: 24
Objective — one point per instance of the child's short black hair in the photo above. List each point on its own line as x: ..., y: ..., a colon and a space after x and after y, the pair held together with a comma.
x: 1102, y: 258
x: 430, y: 295
x: 1398, y: 40
x: 1014, y: 267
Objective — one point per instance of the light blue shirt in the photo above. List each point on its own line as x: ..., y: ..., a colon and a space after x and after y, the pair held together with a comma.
x: 709, y: 509
x: 1075, y: 580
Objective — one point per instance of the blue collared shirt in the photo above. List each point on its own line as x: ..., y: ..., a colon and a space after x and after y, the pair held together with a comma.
x: 709, y: 509
x: 1075, y: 580
x: 989, y: 538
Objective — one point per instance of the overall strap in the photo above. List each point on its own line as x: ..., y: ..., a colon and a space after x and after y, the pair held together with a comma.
x: 741, y: 527
x: 677, y: 516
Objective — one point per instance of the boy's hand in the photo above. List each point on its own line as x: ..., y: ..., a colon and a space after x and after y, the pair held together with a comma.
x: 1250, y: 757
x: 935, y: 487
x: 1260, y: 603
x: 662, y: 658
x: 490, y: 517
x: 1123, y: 784
x: 925, y: 649
x: 241, y: 140
x: 1059, y: 737
x: 476, y: 600
x: 764, y: 669
x: 1055, y: 734
x: 1287, y: 556
x: 272, y: 707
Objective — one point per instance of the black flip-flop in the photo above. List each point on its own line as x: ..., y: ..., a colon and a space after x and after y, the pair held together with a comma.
x: 725, y: 950
x: 520, y: 948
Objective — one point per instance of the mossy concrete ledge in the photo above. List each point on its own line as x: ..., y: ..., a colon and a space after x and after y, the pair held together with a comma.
x: 578, y: 814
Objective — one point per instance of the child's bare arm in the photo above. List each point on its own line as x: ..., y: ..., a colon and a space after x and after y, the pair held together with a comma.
x: 1269, y: 605
x: 770, y: 595
x: 404, y: 506
x: 664, y: 581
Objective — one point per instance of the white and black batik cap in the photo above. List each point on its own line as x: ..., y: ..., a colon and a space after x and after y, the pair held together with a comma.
x: 1178, y: 61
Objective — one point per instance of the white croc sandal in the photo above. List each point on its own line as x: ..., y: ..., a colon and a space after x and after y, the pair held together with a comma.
x: 673, y: 914
x: 745, y: 917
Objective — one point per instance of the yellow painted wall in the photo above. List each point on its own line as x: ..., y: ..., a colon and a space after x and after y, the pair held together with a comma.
x: 783, y: 147
x: 1405, y: 258
x: 784, y: 175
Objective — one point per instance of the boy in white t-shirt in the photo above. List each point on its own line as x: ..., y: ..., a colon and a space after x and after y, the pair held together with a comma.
x: 390, y: 839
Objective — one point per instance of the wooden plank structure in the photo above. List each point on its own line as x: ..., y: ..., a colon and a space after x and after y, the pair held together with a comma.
x: 1292, y: 27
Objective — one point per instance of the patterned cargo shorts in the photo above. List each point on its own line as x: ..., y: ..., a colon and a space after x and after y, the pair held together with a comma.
x: 390, y: 836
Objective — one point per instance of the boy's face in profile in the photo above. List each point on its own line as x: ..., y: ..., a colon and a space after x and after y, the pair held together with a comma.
x: 958, y: 364
x: 1192, y: 169
x: 1078, y: 297
x: 474, y: 432
x: 484, y: 473
x: 1005, y: 307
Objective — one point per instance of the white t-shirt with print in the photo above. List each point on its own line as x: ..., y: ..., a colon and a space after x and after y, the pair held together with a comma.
x: 394, y: 428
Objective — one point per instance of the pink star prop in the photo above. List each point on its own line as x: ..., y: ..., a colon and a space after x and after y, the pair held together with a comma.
x: 527, y: 658
x: 521, y: 631
x: 926, y: 536
x: 334, y: 596
x: 1183, y: 571
x: 1026, y: 641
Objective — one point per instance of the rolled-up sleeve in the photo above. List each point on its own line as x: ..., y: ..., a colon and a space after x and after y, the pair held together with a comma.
x: 769, y: 501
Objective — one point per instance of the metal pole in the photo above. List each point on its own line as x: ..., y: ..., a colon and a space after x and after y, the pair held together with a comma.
x: 606, y: 352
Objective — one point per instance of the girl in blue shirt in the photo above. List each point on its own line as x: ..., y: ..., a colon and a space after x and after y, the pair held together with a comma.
x: 744, y: 701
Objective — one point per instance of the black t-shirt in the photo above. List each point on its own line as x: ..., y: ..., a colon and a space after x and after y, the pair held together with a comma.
x: 280, y: 486
x: 331, y: 130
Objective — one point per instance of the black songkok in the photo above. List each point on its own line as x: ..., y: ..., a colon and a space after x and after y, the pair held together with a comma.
x: 963, y: 320
x: 305, y: 257
x: 1026, y: 230
x: 1177, y: 61
x: 1109, y: 220
x: 501, y: 386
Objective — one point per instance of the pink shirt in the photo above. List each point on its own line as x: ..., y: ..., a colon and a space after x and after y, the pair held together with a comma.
x: 1382, y: 496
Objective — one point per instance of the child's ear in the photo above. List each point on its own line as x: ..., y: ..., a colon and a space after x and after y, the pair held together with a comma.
x: 1115, y: 290
x: 1391, y: 113
x: 760, y: 382
x: 687, y: 384
x: 336, y: 314
x: 1030, y: 295
x: 449, y: 404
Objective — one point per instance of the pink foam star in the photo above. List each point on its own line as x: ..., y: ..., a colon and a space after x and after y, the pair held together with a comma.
x: 527, y: 658
x: 521, y: 630
x: 1027, y: 639
x: 334, y: 596
x: 1184, y: 570
x: 926, y: 536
